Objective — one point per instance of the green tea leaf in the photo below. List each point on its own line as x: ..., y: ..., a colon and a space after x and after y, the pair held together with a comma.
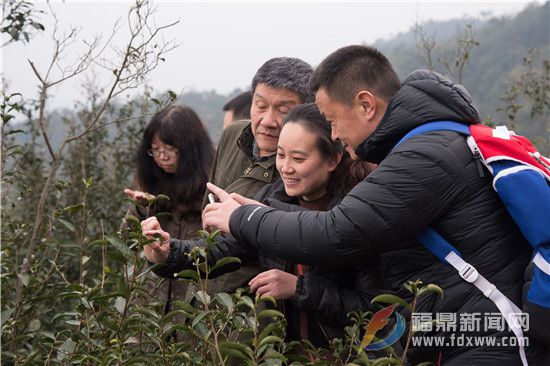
x: 239, y: 347
x: 5, y: 315
x: 133, y: 222
x: 66, y: 349
x: 267, y: 298
x: 24, y: 278
x: 161, y: 197
x: 73, y: 209
x: 184, y: 306
x: 430, y: 288
x: 99, y: 242
x: 199, y: 317
x: 88, y: 182
x: 34, y: 325
x: 226, y: 260
x: 269, y: 329
x: 270, y: 339
x: 225, y: 300
x: 270, y: 313
x: 120, y: 304
x: 391, y: 299
x: 120, y: 246
x: 188, y: 273
x: 203, y: 297
x: 248, y: 301
x: 386, y: 361
x: 67, y: 313
x: 67, y: 224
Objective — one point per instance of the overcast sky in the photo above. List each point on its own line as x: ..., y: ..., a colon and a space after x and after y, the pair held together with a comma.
x: 222, y: 44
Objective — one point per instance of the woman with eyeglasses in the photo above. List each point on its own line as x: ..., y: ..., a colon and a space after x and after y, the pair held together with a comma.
x: 174, y: 159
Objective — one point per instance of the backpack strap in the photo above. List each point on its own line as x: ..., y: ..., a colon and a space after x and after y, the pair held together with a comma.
x: 436, y: 126
x: 442, y: 249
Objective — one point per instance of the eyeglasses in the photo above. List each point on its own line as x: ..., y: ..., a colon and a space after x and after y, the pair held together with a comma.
x: 158, y: 152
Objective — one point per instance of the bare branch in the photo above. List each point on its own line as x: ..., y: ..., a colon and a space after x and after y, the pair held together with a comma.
x: 136, y: 60
x: 36, y: 72
x: 81, y: 65
x: 425, y: 45
x: 98, y: 126
x: 453, y: 57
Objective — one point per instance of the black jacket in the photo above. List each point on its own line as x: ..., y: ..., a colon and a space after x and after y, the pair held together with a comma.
x: 430, y: 179
x: 326, y: 293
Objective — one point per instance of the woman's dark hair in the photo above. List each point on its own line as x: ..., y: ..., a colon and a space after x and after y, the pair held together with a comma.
x: 348, y: 172
x: 182, y: 128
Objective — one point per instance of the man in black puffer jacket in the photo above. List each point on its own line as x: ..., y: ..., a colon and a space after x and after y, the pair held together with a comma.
x: 431, y: 179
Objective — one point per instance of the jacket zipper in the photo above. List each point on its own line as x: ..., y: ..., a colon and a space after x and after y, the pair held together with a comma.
x: 323, y: 330
x: 285, y: 265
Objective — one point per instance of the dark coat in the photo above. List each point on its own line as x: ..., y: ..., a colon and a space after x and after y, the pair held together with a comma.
x: 326, y: 293
x: 430, y: 179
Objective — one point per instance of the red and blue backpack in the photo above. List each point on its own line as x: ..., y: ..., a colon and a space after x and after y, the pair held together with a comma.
x: 521, y: 177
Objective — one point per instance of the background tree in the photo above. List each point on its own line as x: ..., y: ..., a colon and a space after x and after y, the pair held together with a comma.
x: 31, y: 244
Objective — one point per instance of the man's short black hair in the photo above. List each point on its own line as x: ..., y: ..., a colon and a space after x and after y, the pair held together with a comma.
x: 240, y: 106
x: 351, y: 69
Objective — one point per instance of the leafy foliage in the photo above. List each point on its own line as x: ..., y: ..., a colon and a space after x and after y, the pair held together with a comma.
x: 19, y: 20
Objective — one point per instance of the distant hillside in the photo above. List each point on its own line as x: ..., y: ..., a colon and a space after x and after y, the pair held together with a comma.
x: 503, y: 43
x: 208, y: 106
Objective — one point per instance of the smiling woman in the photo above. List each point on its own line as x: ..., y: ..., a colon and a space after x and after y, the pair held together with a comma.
x: 306, y: 157
x: 302, y: 168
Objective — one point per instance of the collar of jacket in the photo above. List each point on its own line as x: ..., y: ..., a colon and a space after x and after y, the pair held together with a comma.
x: 246, y: 143
x: 279, y: 195
x: 424, y: 96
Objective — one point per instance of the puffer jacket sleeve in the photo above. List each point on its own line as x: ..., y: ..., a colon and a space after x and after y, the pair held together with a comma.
x: 331, y: 303
x: 410, y: 189
x: 226, y: 246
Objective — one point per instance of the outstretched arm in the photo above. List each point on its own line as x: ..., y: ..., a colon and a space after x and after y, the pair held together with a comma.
x: 408, y: 192
x: 172, y: 254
